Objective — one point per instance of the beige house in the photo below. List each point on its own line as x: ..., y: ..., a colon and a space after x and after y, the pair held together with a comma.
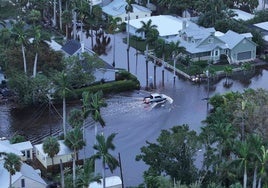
x: 22, y: 149
x: 65, y: 154
x: 26, y: 177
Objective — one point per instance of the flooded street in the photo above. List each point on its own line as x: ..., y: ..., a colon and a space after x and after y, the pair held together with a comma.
x: 126, y: 114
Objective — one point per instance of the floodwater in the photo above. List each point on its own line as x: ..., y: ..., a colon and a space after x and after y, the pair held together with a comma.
x: 134, y: 122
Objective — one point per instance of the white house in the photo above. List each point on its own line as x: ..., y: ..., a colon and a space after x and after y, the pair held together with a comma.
x: 110, y: 182
x: 167, y: 26
x: 22, y: 149
x: 26, y: 177
x: 262, y: 27
x: 65, y: 154
x: 117, y: 9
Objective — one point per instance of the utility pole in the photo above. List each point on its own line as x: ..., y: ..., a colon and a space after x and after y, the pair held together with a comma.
x: 121, y: 171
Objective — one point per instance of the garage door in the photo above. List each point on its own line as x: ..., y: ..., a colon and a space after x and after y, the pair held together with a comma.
x: 244, y: 55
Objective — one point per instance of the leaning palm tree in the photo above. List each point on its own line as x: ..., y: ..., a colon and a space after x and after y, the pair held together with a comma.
x: 21, y: 36
x: 102, y: 147
x: 74, y: 140
x: 38, y: 37
x: 129, y: 9
x: 51, y: 146
x: 12, y: 164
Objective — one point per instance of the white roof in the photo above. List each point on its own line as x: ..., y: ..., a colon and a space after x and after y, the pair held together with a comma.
x: 166, y: 25
x: 54, y: 45
x: 111, y: 181
x: 23, y: 145
x: 5, y: 146
x: 64, y: 150
x: 262, y: 25
x: 25, y: 171
x: 117, y: 8
x: 242, y: 15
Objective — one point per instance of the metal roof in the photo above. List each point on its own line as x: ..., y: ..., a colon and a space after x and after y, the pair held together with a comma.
x: 117, y: 8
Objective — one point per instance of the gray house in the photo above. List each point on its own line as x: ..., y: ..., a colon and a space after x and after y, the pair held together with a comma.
x: 75, y: 48
x: 208, y: 44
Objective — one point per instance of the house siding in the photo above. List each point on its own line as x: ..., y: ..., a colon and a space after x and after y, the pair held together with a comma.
x: 28, y: 183
x: 244, y: 46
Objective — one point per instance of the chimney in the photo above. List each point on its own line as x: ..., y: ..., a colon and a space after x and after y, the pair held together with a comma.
x: 184, y: 23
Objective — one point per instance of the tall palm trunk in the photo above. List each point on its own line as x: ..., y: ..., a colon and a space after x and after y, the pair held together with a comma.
x: 128, y: 45
x: 10, y: 180
x: 35, y: 65
x: 64, y: 115
x: 74, y: 25
x: 254, y: 183
x: 24, y: 58
x: 146, y: 61
x: 114, y: 52
x: 74, y: 172
x: 103, y: 173
x: 60, y: 12
x: 54, y: 14
x: 245, y: 176
x: 259, y: 183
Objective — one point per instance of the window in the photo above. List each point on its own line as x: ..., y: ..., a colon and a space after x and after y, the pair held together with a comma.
x: 210, y: 40
x: 22, y: 182
x: 125, y: 18
x: 137, y: 16
x: 28, y: 154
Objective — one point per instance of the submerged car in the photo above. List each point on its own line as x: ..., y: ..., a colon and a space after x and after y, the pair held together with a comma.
x: 155, y: 98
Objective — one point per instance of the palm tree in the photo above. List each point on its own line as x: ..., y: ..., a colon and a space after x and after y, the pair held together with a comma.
x: 21, y: 36
x: 12, y: 164
x: 74, y: 140
x: 129, y: 9
x: 243, y: 152
x: 86, y: 174
x: 263, y: 159
x: 39, y: 37
x: 67, y: 21
x: 51, y: 146
x: 150, y: 34
x: 102, y: 147
x: 227, y: 70
x: 113, y: 26
x: 96, y: 101
x: 63, y: 87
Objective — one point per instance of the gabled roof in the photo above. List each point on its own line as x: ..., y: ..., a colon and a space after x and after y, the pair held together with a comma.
x: 23, y: 145
x: 5, y: 146
x: 262, y: 25
x: 166, y: 25
x: 71, y: 47
x: 25, y: 171
x: 64, y: 150
x: 117, y: 8
x: 232, y: 38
